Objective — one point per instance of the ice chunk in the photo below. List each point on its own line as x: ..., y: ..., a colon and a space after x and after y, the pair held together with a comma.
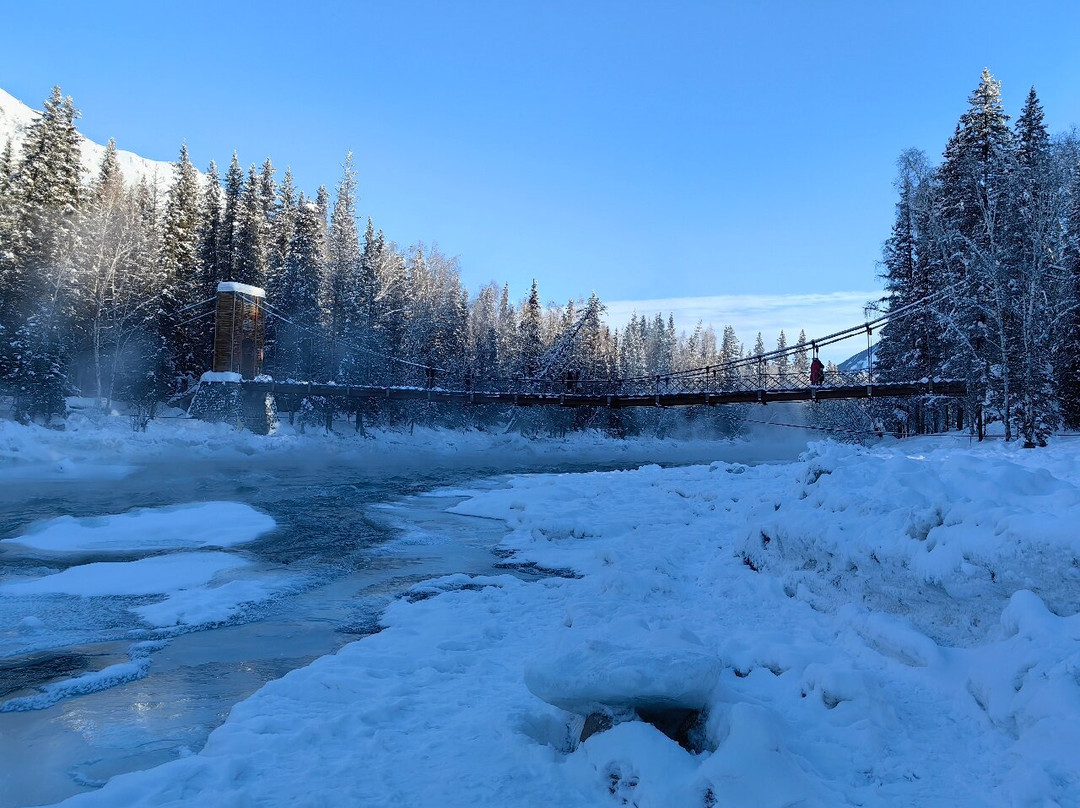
x: 201, y: 524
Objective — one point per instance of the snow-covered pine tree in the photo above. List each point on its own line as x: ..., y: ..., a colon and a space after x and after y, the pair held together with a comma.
x: 10, y: 271
x: 632, y: 349
x: 299, y: 350
x: 911, y: 346
x: 800, y: 366
x: 761, y: 367
x: 529, y: 338
x: 283, y: 226
x: 484, y: 336
x: 343, y: 265
x: 1040, y: 289
x: 37, y: 287
x: 232, y: 223
x: 250, y: 252
x: 190, y: 343
x: 1069, y: 345
x: 975, y: 181
x: 211, y: 233
x: 782, y: 361
x: 508, y: 329
x: 7, y: 207
x: 729, y: 353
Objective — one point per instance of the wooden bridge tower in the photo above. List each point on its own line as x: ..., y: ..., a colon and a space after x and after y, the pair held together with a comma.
x: 239, y: 329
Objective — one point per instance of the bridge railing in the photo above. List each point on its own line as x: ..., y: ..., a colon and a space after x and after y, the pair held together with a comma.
x: 711, y: 381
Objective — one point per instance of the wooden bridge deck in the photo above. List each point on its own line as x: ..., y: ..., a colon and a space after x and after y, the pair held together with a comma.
x: 297, y: 390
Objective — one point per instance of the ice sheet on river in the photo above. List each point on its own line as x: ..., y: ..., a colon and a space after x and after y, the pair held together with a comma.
x: 197, y: 588
x: 86, y: 602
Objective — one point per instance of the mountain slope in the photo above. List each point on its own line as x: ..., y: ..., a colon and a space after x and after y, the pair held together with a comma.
x: 16, y: 118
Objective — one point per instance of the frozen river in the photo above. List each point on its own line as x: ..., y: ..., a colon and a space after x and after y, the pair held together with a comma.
x: 348, y: 539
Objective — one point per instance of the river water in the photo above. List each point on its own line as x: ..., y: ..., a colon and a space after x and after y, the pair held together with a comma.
x: 352, y: 537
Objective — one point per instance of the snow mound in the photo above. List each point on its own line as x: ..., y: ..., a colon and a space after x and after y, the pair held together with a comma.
x: 196, y: 525
x: 651, y: 674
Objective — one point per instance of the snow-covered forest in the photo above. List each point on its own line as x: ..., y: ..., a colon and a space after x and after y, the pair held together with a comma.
x: 987, y: 244
x: 104, y: 285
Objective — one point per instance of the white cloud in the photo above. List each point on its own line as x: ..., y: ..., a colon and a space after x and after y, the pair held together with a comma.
x: 818, y: 314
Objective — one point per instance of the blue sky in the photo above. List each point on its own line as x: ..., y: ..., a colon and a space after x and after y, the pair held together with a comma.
x: 647, y: 151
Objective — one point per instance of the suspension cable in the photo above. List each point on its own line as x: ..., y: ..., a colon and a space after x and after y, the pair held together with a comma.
x: 277, y: 314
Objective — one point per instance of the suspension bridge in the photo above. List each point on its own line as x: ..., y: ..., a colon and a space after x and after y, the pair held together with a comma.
x: 241, y: 313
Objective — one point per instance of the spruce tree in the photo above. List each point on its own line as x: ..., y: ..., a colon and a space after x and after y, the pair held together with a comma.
x: 343, y: 265
x: 529, y: 338
x: 36, y: 288
x: 729, y: 353
x: 975, y: 182
x: 782, y: 360
x: 298, y: 351
x: 210, y: 233
x: 190, y: 344
x: 231, y: 240
x: 1039, y: 289
x: 284, y: 225
x: 249, y: 249
x: 801, y: 364
x: 761, y: 368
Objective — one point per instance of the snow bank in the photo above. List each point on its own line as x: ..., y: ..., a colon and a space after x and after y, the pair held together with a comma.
x: 882, y: 627
x: 200, y: 524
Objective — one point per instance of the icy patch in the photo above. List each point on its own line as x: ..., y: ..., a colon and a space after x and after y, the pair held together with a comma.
x: 207, y: 605
x: 147, y: 576
x: 197, y: 525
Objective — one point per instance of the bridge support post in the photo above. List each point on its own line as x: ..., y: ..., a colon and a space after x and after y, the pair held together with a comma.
x: 229, y: 402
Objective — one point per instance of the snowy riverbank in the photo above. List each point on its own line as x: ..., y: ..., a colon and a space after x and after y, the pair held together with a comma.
x: 887, y: 626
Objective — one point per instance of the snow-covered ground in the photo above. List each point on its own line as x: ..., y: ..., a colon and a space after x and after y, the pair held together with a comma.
x: 885, y: 626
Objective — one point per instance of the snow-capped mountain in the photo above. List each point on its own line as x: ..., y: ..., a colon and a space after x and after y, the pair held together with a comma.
x: 16, y: 118
x: 857, y: 362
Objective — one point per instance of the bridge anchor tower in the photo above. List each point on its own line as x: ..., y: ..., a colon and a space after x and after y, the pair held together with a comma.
x: 239, y: 343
